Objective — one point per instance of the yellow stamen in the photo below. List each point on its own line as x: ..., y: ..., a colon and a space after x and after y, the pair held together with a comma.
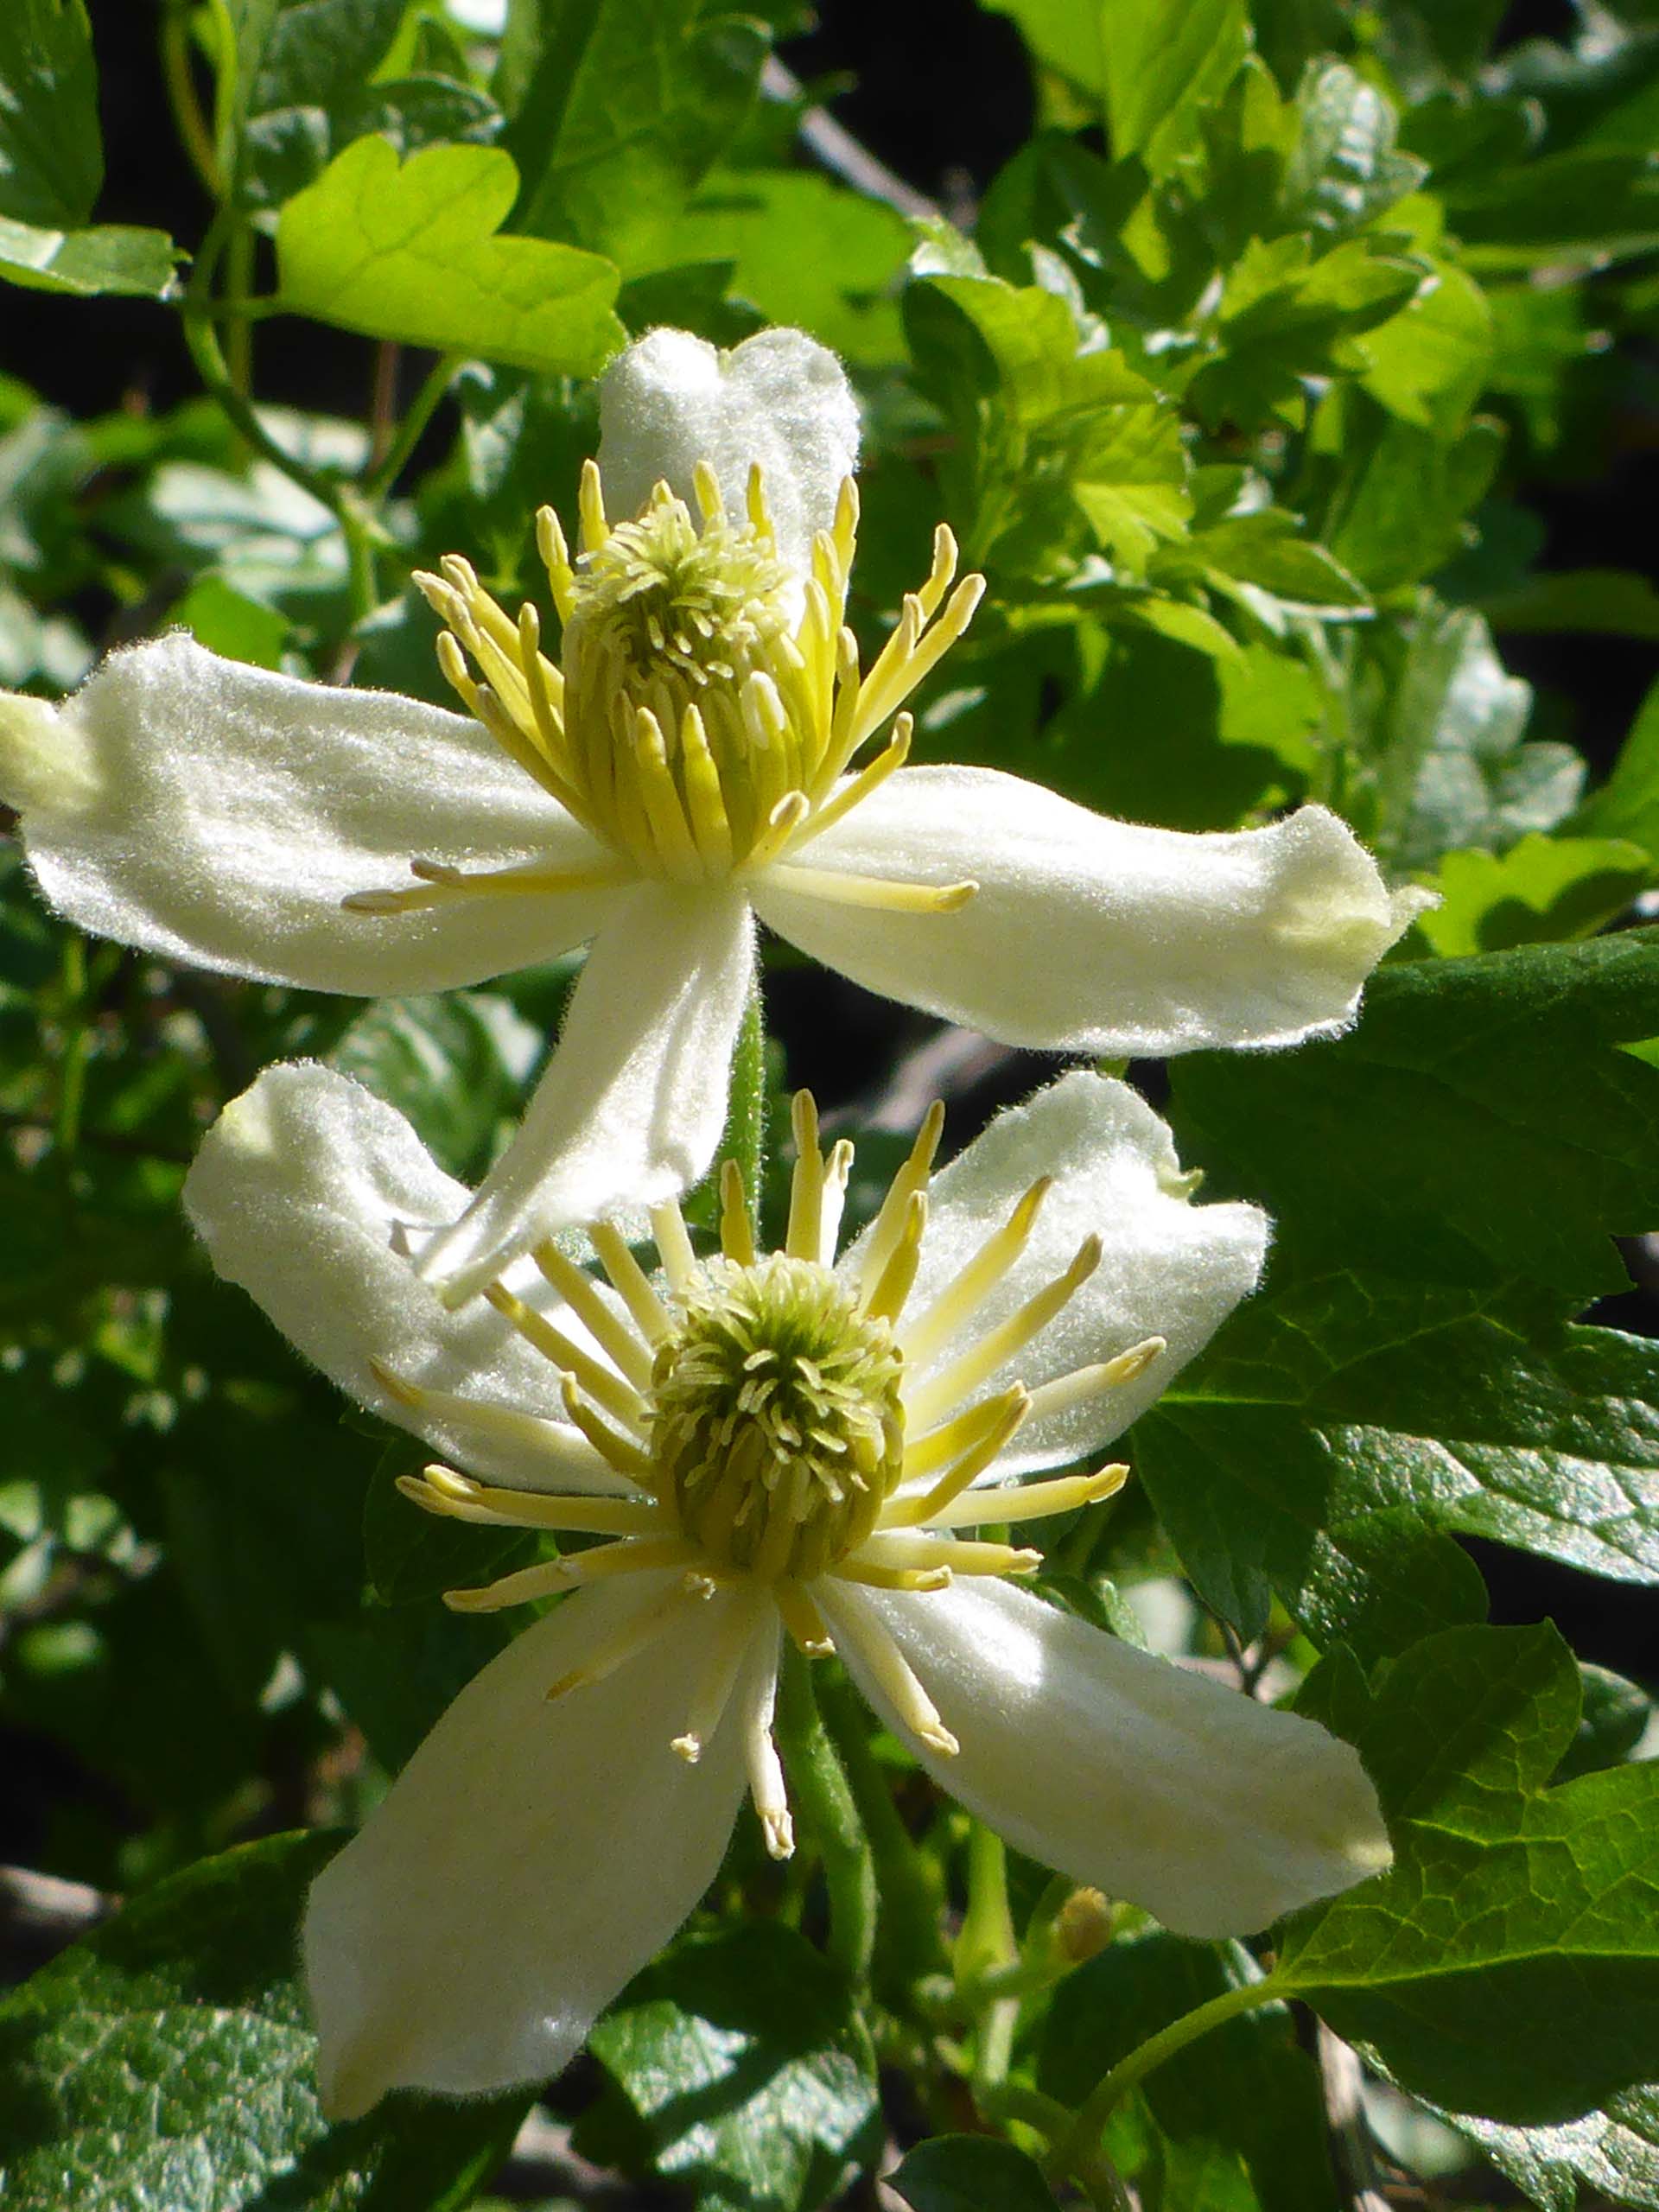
x: 767, y: 1786
x: 590, y: 505
x: 555, y: 559
x: 886, y: 1300
x: 625, y: 1641
x: 980, y: 1361
x: 620, y: 1452
x: 886, y: 1229
x: 804, y: 1237
x: 902, y: 1550
x: 857, y: 789
x: 885, y: 893
x: 1029, y: 1501
x: 937, y: 1447
x: 679, y: 1261
x: 630, y: 1281
x: 705, y: 804
x: 894, y: 1676
x: 714, y: 1690
x: 917, y: 1512
x: 836, y: 1172
x: 443, y: 1490
x: 1086, y: 1383
x: 736, y: 1232
x: 802, y: 1617
x: 608, y: 1331
x: 785, y: 819
x: 973, y: 1285
x: 635, y: 1555
x: 601, y: 1383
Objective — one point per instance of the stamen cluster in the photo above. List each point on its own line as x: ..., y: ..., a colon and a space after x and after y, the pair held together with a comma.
x: 707, y: 699
x: 778, y: 1427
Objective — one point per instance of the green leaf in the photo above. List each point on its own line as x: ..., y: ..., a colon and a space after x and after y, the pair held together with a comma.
x: 1062, y: 36
x: 167, y: 2060
x: 1612, y: 1726
x: 1627, y: 805
x: 1234, y: 2121
x: 409, y: 251
x: 804, y: 252
x: 1344, y: 1429
x: 618, y: 108
x: 456, y: 1065
x: 108, y: 257
x: 1401, y: 493
x: 1430, y: 364
x: 1509, y: 1962
x: 1614, y: 2152
x: 1344, y: 170
x: 1543, y: 889
x: 1039, y: 404
x: 228, y: 621
x: 738, y: 2067
x: 1452, y: 770
x: 1164, y: 62
x: 1610, y: 602
x: 1438, y: 1139
x: 1577, y: 204
x: 970, y: 2173
x: 51, y: 155
x: 1288, y: 317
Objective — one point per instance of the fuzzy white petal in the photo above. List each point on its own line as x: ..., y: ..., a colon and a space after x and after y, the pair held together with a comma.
x: 1169, y: 1268
x: 633, y: 1104
x: 779, y: 398
x: 311, y: 1194
x: 529, y: 1859
x: 1094, y: 936
x: 217, y: 813
x: 1121, y: 1770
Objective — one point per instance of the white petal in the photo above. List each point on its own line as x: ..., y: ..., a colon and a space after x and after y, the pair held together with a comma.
x: 217, y: 813
x: 310, y: 1193
x: 529, y: 1859
x: 633, y: 1104
x: 1168, y: 1268
x: 1088, y: 935
x: 1121, y: 1770
x: 779, y: 398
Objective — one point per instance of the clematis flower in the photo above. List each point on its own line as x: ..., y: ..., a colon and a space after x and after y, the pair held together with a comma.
x: 705, y: 749
x: 768, y: 1446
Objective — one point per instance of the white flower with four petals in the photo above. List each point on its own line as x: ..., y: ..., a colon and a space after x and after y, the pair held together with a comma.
x: 766, y: 1445
x: 698, y: 755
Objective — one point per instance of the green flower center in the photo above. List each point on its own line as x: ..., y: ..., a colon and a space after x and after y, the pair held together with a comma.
x: 661, y: 600
x: 778, y: 1429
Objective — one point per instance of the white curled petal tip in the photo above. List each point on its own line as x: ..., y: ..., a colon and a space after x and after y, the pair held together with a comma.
x: 46, y: 766
x: 779, y: 400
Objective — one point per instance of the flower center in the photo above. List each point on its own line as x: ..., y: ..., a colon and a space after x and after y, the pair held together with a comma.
x: 706, y: 707
x: 777, y: 1428
x: 662, y: 610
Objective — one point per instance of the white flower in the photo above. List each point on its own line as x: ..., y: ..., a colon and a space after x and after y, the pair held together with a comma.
x: 689, y: 763
x: 782, y: 1445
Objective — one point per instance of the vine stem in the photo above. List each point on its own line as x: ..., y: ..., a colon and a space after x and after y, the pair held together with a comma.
x: 1079, y: 2146
x: 746, y: 1112
x: 391, y: 465
x: 818, y: 1783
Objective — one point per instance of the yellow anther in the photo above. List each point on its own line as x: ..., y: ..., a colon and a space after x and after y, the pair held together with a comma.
x: 590, y: 505
x: 711, y: 502
x: 736, y: 1232
x: 884, y: 892
x: 885, y: 1301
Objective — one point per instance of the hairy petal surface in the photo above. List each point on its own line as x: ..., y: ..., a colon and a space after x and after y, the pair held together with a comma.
x: 779, y: 398
x: 632, y: 1105
x: 312, y: 1194
x: 1088, y: 935
x: 1121, y: 1770
x: 217, y: 814
x: 1168, y: 1268
x: 528, y: 1860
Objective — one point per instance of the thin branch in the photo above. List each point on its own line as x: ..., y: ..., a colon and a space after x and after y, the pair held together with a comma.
x: 1351, y: 2136
x: 834, y: 146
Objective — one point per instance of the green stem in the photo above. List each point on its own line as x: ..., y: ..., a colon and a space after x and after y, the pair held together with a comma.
x: 77, y: 1047
x: 745, y: 1114
x: 1082, y: 2141
x: 214, y: 372
x: 986, y: 1943
x: 359, y: 529
x: 391, y: 464
x: 238, y: 280
x: 907, y: 1883
x: 818, y: 1785
x: 181, y: 99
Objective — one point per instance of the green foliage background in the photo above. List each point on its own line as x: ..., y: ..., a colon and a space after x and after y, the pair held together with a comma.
x: 1240, y: 384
